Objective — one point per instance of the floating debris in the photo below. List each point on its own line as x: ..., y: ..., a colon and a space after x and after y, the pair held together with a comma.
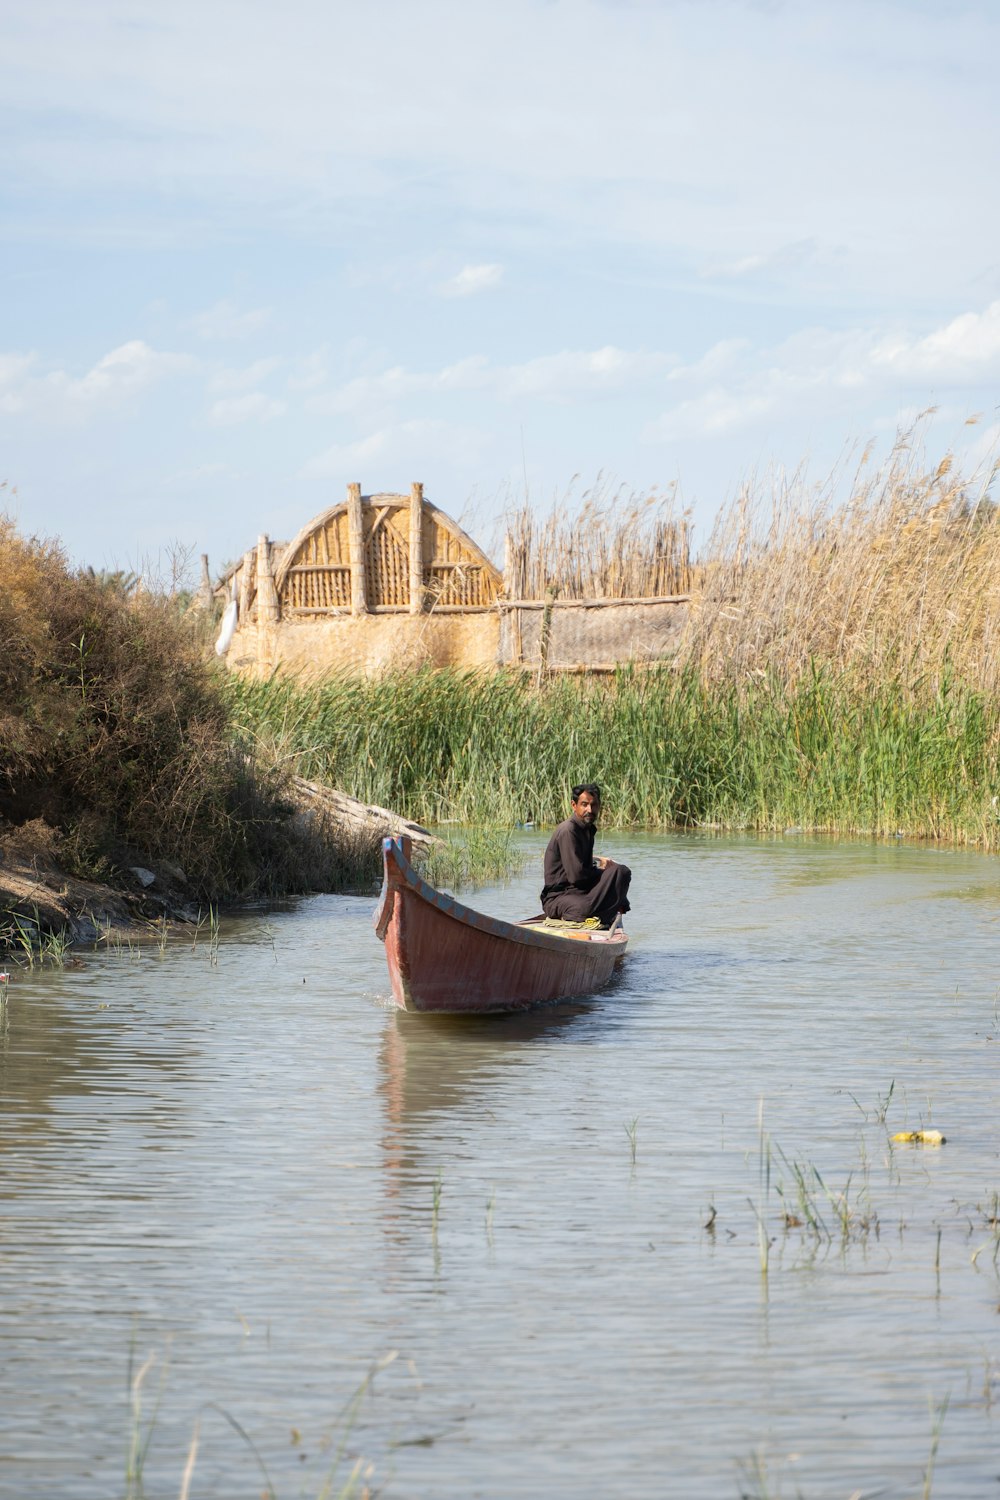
x: 919, y: 1137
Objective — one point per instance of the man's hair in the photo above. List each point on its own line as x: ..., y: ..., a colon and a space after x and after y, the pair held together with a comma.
x: 586, y: 786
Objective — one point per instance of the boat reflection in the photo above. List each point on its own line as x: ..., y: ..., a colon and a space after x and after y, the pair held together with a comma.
x: 430, y: 1064
x: 434, y: 1068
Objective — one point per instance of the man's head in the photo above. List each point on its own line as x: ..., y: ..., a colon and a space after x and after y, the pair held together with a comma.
x: 587, y: 802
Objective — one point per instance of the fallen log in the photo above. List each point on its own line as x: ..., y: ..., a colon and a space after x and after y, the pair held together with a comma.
x: 317, y: 802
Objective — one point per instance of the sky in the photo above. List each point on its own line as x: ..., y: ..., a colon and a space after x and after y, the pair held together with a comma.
x: 251, y: 252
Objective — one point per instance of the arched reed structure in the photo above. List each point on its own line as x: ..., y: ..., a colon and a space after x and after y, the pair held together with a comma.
x: 376, y: 580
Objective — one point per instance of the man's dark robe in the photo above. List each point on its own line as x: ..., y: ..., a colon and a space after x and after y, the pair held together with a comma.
x: 576, y: 888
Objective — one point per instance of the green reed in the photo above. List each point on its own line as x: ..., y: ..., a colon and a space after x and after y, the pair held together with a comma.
x: 333, y: 1443
x: 476, y: 855
x: 832, y: 751
x: 29, y: 938
x: 938, y: 1414
x: 631, y: 1130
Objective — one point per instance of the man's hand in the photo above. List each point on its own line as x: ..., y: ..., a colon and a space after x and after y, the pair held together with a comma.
x: 601, y: 862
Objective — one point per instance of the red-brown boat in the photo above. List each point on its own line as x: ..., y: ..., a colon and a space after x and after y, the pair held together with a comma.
x: 446, y: 958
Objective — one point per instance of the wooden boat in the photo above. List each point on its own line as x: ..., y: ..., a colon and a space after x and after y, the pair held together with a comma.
x: 445, y: 957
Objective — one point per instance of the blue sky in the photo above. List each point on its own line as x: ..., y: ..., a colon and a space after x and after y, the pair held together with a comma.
x: 251, y: 252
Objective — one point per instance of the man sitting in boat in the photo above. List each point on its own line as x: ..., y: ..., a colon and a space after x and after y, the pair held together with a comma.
x: 577, y: 885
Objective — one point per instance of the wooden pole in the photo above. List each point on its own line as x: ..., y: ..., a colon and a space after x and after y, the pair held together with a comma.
x: 244, y: 574
x: 206, y: 583
x: 267, y: 608
x: 356, y: 547
x: 416, y: 549
x: 267, y: 594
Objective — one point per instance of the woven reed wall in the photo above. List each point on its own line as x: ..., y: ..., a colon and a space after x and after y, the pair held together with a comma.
x: 318, y: 579
x: 596, y: 634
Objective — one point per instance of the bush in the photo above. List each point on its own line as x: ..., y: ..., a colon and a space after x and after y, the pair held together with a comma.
x: 115, y: 733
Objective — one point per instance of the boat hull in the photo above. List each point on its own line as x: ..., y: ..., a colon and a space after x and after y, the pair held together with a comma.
x: 446, y: 958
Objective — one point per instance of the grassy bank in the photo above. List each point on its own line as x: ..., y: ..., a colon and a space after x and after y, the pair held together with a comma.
x: 830, y: 751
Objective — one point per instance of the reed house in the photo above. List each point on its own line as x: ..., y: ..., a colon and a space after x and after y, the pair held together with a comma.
x: 385, y: 581
x: 377, y: 581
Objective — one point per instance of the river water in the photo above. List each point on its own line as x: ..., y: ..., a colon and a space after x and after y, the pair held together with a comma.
x: 235, y: 1161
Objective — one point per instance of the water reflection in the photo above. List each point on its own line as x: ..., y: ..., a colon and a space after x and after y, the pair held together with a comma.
x: 432, y: 1063
x: 429, y: 1065
x: 76, y: 1071
x: 284, y: 1136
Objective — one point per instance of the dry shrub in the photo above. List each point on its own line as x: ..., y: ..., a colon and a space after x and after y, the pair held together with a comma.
x: 34, y: 841
x: 615, y: 545
x: 899, y: 583
x: 114, y: 732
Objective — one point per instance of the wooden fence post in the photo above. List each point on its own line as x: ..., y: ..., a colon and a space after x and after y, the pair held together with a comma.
x: 416, y: 549
x: 356, y: 548
x: 267, y: 608
x: 545, y: 633
x: 205, y: 592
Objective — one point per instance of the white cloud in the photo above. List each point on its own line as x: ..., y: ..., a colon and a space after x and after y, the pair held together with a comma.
x: 197, y: 474
x: 224, y: 322
x: 368, y: 392
x: 15, y: 370
x: 232, y: 411
x: 129, y: 368
x: 967, y: 348
x: 551, y: 377
x: 243, y: 377
x: 14, y: 367
x: 56, y: 394
x: 472, y: 279
x: 711, y: 414
x: 557, y: 377
x: 859, y: 369
x: 310, y: 372
x: 409, y: 444
x: 709, y: 154
x: 782, y: 259
x: 713, y: 363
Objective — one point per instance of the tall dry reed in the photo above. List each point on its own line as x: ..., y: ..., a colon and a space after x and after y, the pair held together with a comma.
x: 616, y: 545
x: 899, y: 583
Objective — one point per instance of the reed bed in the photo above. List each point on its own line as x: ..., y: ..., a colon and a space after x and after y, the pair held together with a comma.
x: 616, y: 545
x: 837, y: 753
x: 899, y: 583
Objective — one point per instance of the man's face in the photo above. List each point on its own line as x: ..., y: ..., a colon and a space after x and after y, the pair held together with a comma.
x: 587, y: 808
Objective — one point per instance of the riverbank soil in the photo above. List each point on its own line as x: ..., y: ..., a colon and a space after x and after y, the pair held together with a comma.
x: 39, y: 900
x: 331, y: 841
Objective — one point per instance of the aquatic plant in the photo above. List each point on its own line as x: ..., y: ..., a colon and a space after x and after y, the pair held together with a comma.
x: 28, y: 938
x: 760, y: 1208
x: 333, y: 1485
x: 613, y: 545
x: 882, y: 1104
x: 141, y: 1427
x: 938, y: 1414
x: 630, y: 1131
x: 837, y: 753
x: 471, y: 856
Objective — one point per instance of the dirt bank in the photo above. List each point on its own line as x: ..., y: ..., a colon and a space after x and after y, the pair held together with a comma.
x: 38, y: 898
